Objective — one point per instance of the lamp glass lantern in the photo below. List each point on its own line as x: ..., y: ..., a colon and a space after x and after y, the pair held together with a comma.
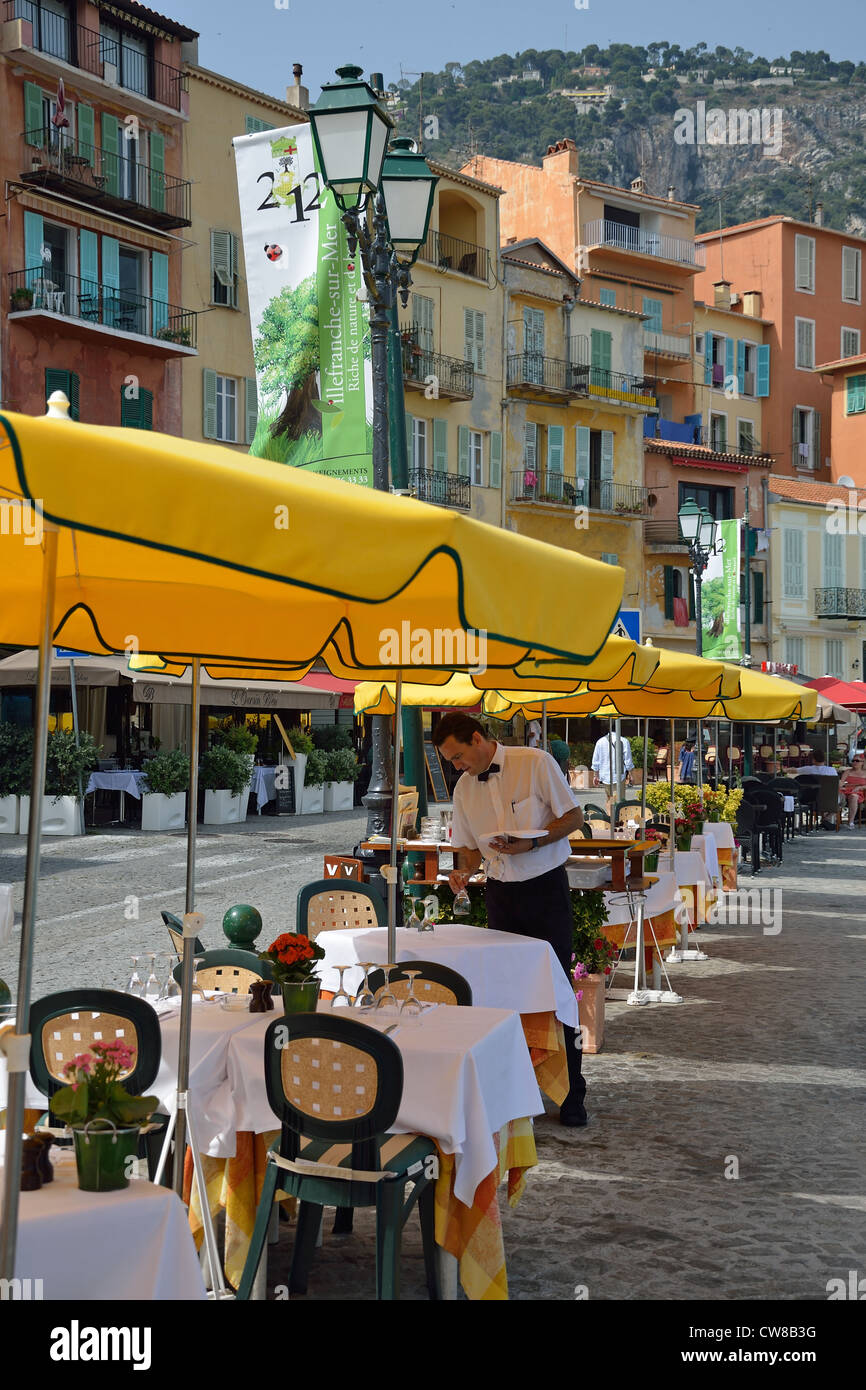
x: 690, y: 520
x: 408, y: 187
x: 707, y: 532
x: 350, y: 130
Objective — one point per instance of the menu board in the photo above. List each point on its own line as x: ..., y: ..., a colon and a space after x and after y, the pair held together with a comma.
x: 435, y: 771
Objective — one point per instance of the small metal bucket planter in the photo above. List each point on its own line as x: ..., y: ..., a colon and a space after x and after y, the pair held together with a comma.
x: 102, y: 1155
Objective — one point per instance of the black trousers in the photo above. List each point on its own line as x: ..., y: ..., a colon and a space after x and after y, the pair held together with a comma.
x: 541, y: 908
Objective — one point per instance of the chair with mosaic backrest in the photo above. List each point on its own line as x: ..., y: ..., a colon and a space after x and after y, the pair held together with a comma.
x: 68, y: 1023
x: 230, y: 970
x: 435, y: 984
x: 327, y: 906
x: 174, y: 927
x: 336, y: 1086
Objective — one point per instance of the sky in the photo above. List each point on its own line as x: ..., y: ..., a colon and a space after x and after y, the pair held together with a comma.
x: 385, y: 35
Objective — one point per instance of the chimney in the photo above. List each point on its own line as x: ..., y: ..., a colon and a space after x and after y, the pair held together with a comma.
x: 672, y: 194
x: 638, y: 185
x: 511, y: 241
x: 752, y: 303
x: 722, y: 293
x: 561, y: 158
x: 296, y: 95
x: 819, y: 214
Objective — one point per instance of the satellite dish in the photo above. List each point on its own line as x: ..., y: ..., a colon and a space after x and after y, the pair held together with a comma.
x: 846, y: 481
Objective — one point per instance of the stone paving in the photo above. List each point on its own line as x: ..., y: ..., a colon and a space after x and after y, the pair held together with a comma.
x: 723, y: 1159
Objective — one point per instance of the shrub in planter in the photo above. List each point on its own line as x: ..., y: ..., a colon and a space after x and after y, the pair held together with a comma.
x: 222, y: 769
x: 637, y: 754
x: 300, y: 739
x: 16, y: 760
x: 330, y: 739
x: 168, y: 772
x: 341, y: 770
x: 69, y: 762
x: 240, y: 738
x: 316, y: 774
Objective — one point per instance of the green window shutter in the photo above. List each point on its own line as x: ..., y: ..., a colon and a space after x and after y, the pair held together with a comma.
x: 34, y: 235
x: 763, y: 382
x: 159, y: 291
x: 741, y: 365
x: 410, y: 444
x: 157, y: 171
x: 253, y: 124
x: 111, y: 153
x: 136, y: 413
x: 708, y: 359
x: 856, y: 395
x: 209, y: 403
x: 423, y: 310
x: 495, y: 458
x: 729, y: 360
x: 224, y: 259
x: 86, y: 133
x: 58, y: 380
x: 88, y: 261
x: 607, y: 297
x: 691, y: 588
x: 440, y: 447
x: 530, y: 446
x: 653, y: 308
x: 33, y: 114
x: 110, y: 280
x: 669, y: 592
x: 606, y: 471
x: 600, y: 359
x: 757, y: 596
x: 583, y: 434
x: 555, y: 448
x: 251, y: 407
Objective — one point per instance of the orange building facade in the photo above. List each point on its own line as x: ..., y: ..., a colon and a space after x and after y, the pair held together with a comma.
x: 847, y: 381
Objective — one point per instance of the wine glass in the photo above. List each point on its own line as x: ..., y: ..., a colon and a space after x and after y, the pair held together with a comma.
x: 462, y: 903
x: 341, y: 992
x: 411, y: 1006
x: 152, y: 987
x: 387, y: 1000
x: 135, y: 985
x: 170, y: 986
x: 431, y: 912
x: 413, y: 920
x: 365, y: 998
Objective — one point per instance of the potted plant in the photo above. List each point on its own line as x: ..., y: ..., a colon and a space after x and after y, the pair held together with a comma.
x: 341, y: 772
x: 22, y: 298
x: 69, y: 764
x: 104, y: 1118
x: 302, y: 747
x: 175, y: 335
x: 293, y: 959
x: 225, y: 777
x: 315, y: 775
x: 16, y: 760
x: 592, y: 957
x: 163, y: 805
x: 637, y: 758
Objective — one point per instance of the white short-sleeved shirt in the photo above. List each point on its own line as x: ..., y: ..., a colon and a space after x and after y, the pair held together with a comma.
x: 527, y: 793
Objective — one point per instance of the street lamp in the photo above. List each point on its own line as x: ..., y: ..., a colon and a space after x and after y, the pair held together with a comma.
x: 386, y: 202
x: 698, y: 530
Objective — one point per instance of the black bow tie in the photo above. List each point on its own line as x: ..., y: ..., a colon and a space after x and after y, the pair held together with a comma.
x: 494, y: 767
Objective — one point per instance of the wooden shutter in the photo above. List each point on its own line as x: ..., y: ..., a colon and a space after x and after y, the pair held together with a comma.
x: 253, y: 124
x: 805, y: 263
x: 251, y: 408
x: 608, y: 298
x: 792, y: 556
x: 856, y: 395
x: 729, y: 361
x: 533, y: 331
x: 708, y: 359
x: 136, y: 413
x: 410, y: 441
x: 851, y: 274
x: 757, y: 596
x: 58, y: 380
x: 33, y: 117
x: 111, y: 153
x: 223, y: 257
x: 805, y: 343
x: 530, y: 446
x: 600, y: 349
x: 88, y: 262
x: 87, y: 133
x: 209, y: 403
x: 159, y: 291
x: 764, y: 370
x: 652, y: 308
x: 157, y: 171
x: 440, y: 448
x: 555, y: 448
x: 669, y: 592
x: 34, y: 235
x: 582, y: 463
x: 479, y: 341
x: 495, y: 478
x: 816, y: 439
x: 422, y: 318
x: 606, y: 469
x: 741, y: 366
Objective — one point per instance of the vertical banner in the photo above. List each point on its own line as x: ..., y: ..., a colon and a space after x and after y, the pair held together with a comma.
x: 720, y: 597
x: 310, y: 328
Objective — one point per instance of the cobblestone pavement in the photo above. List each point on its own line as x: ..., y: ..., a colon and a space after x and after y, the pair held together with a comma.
x: 723, y: 1158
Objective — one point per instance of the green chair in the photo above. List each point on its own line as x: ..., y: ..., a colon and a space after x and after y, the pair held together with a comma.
x: 586, y: 830
x: 230, y: 970
x: 338, y: 905
x: 627, y: 805
x: 67, y: 1023
x: 333, y: 1148
x: 174, y: 927
x: 436, y: 984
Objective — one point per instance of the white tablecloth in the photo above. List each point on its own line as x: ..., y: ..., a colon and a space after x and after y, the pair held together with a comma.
x: 262, y: 785
x: 722, y: 832
x: 129, y: 782
x: 706, y: 846
x: 466, y: 1073
x: 504, y: 971
x: 106, y: 1246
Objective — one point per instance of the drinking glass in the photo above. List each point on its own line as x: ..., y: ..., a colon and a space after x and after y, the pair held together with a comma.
x: 462, y: 904
x: 413, y: 920
x: 152, y: 987
x: 412, y: 1006
x: 341, y: 992
x: 170, y: 986
x: 135, y: 984
x: 387, y: 1001
x: 431, y: 912
x: 365, y: 998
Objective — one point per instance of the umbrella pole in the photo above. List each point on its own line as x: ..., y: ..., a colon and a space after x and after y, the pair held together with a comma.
x: 16, y: 1042
x: 673, y: 840
x: 74, y: 693
x: 645, y: 775
x: 395, y: 802
x: 544, y: 725
x: 610, y: 775
x: 188, y: 958
x: 620, y: 770
x: 700, y: 758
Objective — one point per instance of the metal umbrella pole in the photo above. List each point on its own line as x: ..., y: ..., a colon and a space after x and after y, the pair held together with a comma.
x: 610, y: 775
x: 619, y: 759
x: 74, y: 693
x: 15, y: 1042
x: 544, y: 725
x: 395, y: 800
x: 645, y: 774
x: 700, y: 757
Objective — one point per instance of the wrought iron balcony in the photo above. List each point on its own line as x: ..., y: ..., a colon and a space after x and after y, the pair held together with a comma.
x: 840, y: 603
x: 450, y: 253
x: 45, y: 290
x: 635, y: 240
x: 105, y: 178
x: 444, y: 489
x: 448, y: 377
x: 530, y: 369
x: 598, y: 494
x: 102, y: 56
x: 620, y: 389
x: 667, y: 344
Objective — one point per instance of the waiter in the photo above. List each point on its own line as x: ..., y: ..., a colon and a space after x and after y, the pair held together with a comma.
x: 506, y: 790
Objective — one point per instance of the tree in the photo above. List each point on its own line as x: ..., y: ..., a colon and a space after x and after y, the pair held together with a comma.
x: 286, y: 354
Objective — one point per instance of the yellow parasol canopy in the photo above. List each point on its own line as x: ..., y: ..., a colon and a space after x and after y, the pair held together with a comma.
x: 762, y: 697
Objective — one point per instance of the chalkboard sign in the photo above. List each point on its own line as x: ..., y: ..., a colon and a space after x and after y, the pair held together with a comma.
x: 435, y: 771
x: 285, y: 795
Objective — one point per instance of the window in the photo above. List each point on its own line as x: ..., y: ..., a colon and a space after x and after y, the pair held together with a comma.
x: 476, y: 457
x: 794, y: 652
x: 422, y: 321
x: 128, y: 53
x: 850, y: 342
x: 699, y: 344
x: 833, y: 566
x: 834, y: 658
x: 652, y: 308
x: 530, y: 453
x: 793, y: 569
x: 719, y: 501
x: 50, y: 21
x: 600, y: 358
x: 68, y: 383
x: 805, y: 329
x: 226, y: 409
x: 715, y: 359
x: 806, y: 440
x: 747, y: 368
x: 804, y: 269
x: 418, y: 458
x: 851, y: 274
x: 474, y: 338
x: 718, y: 432
x: 533, y: 344
x: 607, y: 297
x: 677, y: 586
x: 607, y: 557
x: 746, y: 442
x: 224, y: 269
x: 136, y: 407
x: 254, y: 124
x: 855, y: 399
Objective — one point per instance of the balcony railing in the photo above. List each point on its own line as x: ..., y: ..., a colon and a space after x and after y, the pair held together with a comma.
x: 99, y: 55
x: 667, y: 344
x: 616, y: 386
x: 634, y: 239
x: 445, y: 489
x: 106, y: 178
x: 840, y: 603
x: 598, y: 494
x: 676, y: 432
x: 450, y: 253
x: 445, y: 376
x: 103, y: 305
x: 547, y: 373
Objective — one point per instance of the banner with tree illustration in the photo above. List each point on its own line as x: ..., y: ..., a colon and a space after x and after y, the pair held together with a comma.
x: 311, y: 335
x: 720, y: 597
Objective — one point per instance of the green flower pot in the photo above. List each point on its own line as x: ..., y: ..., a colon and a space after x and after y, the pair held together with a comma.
x: 102, y: 1152
x: 301, y: 997
x: 684, y: 842
x: 651, y: 862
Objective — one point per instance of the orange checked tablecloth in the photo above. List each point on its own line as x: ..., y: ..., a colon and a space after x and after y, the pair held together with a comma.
x: 546, y: 1042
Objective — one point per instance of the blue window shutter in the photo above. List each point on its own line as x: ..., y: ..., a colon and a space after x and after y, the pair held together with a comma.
x: 251, y: 407
x: 88, y: 261
x: 157, y: 171
x: 110, y: 153
x: 86, y: 133
x: 410, y: 441
x: 708, y: 360
x: 495, y: 475
x: 764, y: 370
x: 606, y: 470
x: 653, y: 308
x: 159, y: 291
x: 440, y: 447
x: 607, y: 297
x: 33, y: 114
x: 34, y: 235
x: 111, y: 262
x: 209, y: 403
x: 555, y: 448
x: 729, y: 360
x: 741, y: 365
x: 583, y: 462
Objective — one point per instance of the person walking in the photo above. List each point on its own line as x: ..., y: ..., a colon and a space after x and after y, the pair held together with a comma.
x: 505, y: 790
x: 603, y: 773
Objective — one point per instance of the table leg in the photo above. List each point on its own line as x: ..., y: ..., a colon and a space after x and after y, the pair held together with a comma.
x: 618, y: 871
x: 448, y: 1266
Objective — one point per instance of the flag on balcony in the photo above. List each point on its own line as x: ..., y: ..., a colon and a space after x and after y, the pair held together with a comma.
x: 60, y: 118
x: 681, y: 612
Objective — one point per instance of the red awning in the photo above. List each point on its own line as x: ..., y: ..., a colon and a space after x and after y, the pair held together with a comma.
x: 851, y: 694
x: 323, y: 680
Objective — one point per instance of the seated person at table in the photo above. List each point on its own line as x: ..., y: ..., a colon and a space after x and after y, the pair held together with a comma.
x: 852, y: 788
x: 816, y: 767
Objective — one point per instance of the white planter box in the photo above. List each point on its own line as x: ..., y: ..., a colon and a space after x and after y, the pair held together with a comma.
x: 299, y: 765
x: 339, y: 796
x: 221, y: 808
x: 8, y: 815
x: 161, y: 812
x: 60, y: 815
x: 312, y: 801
